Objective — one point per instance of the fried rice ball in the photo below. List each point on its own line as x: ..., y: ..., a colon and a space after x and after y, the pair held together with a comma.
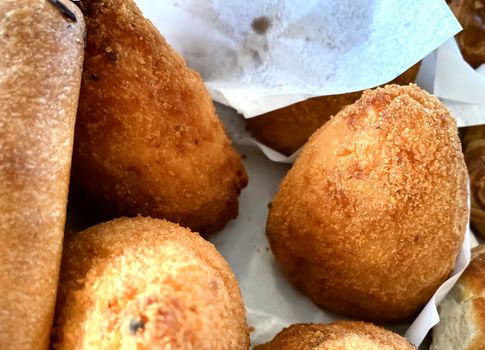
x: 141, y: 283
x: 471, y: 15
x: 369, y: 220
x: 287, y: 129
x: 147, y: 138
x: 343, y: 335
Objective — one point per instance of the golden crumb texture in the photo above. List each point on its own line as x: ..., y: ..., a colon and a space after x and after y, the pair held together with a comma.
x: 141, y: 283
x: 342, y: 335
x: 41, y: 55
x: 148, y: 140
x: 369, y: 220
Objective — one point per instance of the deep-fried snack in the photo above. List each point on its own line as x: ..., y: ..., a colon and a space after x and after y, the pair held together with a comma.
x: 471, y: 15
x: 41, y: 54
x: 144, y: 283
x: 343, y: 335
x: 147, y: 139
x: 369, y: 220
x: 474, y: 149
x: 287, y: 129
x: 462, y: 311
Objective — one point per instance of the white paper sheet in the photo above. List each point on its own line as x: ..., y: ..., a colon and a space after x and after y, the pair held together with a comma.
x: 271, y: 301
x: 445, y: 74
x: 310, y: 48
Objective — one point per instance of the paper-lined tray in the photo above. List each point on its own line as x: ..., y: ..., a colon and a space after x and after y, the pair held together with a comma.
x: 445, y: 74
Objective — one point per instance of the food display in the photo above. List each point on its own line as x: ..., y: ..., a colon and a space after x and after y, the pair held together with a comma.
x: 367, y: 224
x: 462, y: 312
x: 369, y: 219
x: 143, y: 283
x: 146, y: 128
x: 287, y: 129
x: 38, y: 102
x: 471, y: 15
x: 343, y: 335
x: 474, y: 149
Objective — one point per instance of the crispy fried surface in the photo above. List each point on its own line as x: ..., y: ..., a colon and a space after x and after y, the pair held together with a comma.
x: 471, y: 14
x: 344, y: 335
x: 147, y: 137
x: 369, y: 220
x: 287, y: 129
x: 143, y: 283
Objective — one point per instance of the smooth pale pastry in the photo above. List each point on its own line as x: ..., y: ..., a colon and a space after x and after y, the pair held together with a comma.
x: 462, y: 312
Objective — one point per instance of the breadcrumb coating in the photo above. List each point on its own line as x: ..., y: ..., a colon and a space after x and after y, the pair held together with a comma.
x: 287, y: 129
x: 343, y: 335
x: 143, y: 283
x: 369, y: 220
x: 147, y: 138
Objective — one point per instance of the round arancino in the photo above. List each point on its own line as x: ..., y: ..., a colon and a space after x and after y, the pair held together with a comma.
x: 369, y: 220
x: 143, y: 283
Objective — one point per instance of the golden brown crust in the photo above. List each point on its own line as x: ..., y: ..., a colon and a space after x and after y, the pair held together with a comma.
x: 471, y: 15
x: 147, y: 284
x: 474, y: 149
x: 343, y: 335
x: 369, y: 220
x: 287, y: 129
x: 147, y: 131
x: 41, y: 53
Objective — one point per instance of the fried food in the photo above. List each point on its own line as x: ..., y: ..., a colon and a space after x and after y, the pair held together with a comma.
x: 474, y: 149
x: 471, y: 15
x: 462, y: 311
x: 41, y: 55
x: 144, y: 283
x: 287, y: 129
x: 147, y: 139
x: 343, y: 335
x: 369, y: 220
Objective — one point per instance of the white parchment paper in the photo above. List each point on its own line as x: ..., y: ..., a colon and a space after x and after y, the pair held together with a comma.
x: 448, y: 76
x: 309, y: 48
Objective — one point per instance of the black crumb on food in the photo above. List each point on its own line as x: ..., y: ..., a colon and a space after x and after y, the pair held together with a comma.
x: 136, y: 325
